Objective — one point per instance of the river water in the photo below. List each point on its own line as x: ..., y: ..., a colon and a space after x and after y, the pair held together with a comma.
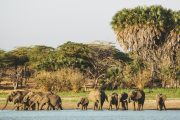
x: 90, y: 115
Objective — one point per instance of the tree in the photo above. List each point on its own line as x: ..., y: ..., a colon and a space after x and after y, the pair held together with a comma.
x: 148, y: 32
x: 40, y: 57
x: 74, y: 54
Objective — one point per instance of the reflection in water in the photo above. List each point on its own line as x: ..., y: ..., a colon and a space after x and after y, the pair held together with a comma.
x: 90, y: 115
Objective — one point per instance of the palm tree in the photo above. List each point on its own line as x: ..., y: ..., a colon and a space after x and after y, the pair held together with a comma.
x: 149, y: 32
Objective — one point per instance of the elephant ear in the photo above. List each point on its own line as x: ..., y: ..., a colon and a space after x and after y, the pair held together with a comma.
x: 94, y: 95
x: 164, y: 97
x: 139, y: 95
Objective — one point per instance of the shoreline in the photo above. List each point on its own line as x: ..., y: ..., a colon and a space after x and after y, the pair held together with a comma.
x: 148, y: 105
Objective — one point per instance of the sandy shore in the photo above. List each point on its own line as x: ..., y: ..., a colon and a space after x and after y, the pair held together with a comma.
x: 149, y: 105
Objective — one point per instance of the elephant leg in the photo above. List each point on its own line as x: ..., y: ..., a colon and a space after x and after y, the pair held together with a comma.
x: 164, y: 106
x: 41, y: 106
x: 123, y: 106
x: 139, y: 106
x: 60, y: 106
x: 46, y: 106
x: 37, y: 106
x: 33, y: 107
x: 111, y: 107
x: 101, y: 104
x: 117, y: 107
x: 134, y: 106
x: 94, y: 106
x: 142, y: 107
x: 82, y: 107
x: 126, y: 105
x: 17, y: 106
x: 51, y: 107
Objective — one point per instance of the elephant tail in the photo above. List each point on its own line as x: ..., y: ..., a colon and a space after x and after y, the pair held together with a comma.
x: 6, y: 103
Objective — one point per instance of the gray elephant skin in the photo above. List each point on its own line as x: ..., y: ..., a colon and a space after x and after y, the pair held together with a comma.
x: 123, y: 101
x: 84, y: 102
x: 113, y: 100
x: 37, y: 101
x: 160, y: 100
x: 137, y: 96
x: 17, y: 98
x: 98, y: 97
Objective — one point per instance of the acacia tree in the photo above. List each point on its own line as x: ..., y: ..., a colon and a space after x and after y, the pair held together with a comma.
x: 107, y: 56
x: 149, y: 32
x: 40, y: 57
x: 92, y: 60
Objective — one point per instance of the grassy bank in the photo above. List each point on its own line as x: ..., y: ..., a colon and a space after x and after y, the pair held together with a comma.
x: 150, y: 95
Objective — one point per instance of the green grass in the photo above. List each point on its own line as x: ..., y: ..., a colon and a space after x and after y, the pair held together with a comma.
x: 3, y: 95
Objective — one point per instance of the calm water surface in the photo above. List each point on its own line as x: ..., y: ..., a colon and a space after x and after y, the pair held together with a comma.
x: 90, y: 115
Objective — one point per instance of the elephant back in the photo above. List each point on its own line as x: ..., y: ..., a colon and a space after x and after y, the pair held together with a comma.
x: 54, y: 99
x: 162, y: 96
x: 123, y: 97
x: 137, y: 95
x: 97, y: 95
x: 94, y: 95
x: 113, y: 98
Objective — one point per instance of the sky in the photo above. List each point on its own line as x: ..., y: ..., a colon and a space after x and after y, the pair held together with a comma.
x: 54, y: 22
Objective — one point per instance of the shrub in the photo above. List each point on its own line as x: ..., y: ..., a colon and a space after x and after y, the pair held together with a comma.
x: 65, y: 79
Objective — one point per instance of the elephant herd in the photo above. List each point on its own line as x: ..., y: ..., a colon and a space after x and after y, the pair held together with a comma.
x: 25, y: 100
x: 28, y: 100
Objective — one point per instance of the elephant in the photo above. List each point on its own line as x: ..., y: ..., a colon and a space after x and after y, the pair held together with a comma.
x: 123, y: 100
x: 31, y: 101
x: 17, y: 98
x: 137, y: 96
x: 113, y: 101
x: 98, y: 97
x: 55, y: 102
x: 160, y: 99
x: 84, y: 103
x: 37, y: 100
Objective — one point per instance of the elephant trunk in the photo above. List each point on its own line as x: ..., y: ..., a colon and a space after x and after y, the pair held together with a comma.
x: 7, y: 100
x: 78, y: 104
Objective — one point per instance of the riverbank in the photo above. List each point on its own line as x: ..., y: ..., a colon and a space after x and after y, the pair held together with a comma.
x: 149, y: 105
x: 70, y: 99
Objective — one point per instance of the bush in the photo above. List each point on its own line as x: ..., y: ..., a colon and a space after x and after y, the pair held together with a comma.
x: 65, y: 79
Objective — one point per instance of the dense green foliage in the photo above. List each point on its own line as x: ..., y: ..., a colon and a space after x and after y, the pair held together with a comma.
x: 153, y: 15
x: 102, y: 64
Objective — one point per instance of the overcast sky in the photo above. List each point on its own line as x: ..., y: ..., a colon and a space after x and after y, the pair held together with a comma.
x: 54, y: 22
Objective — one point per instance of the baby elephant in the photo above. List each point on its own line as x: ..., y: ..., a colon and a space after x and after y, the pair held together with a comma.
x: 160, y: 99
x: 113, y: 101
x: 123, y: 100
x: 84, y: 103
